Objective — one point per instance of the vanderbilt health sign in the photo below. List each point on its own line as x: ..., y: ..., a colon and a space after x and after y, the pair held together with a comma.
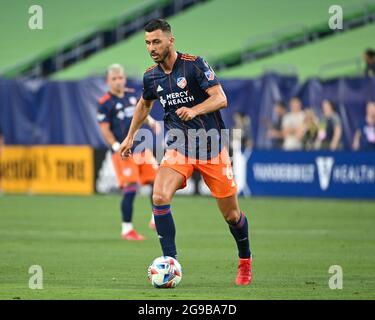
x: 312, y: 174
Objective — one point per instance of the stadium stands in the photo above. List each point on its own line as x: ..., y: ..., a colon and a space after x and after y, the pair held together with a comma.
x: 91, y: 41
x: 19, y: 43
x: 334, y: 56
x: 249, y: 25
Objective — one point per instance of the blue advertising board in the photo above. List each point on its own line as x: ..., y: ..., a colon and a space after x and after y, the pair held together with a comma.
x: 311, y: 174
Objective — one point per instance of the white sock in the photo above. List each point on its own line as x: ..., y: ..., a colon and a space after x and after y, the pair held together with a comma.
x: 152, y: 218
x: 126, y: 227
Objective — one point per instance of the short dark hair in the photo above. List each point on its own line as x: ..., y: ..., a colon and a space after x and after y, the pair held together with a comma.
x: 158, y: 24
x: 330, y: 102
x: 281, y: 104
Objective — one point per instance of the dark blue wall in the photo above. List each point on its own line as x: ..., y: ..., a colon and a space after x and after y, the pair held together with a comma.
x: 64, y: 112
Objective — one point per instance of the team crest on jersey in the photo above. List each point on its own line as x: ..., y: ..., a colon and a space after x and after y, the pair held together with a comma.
x: 181, y: 82
x: 210, y: 75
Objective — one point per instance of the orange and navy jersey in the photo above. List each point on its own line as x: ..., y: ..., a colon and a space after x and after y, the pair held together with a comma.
x: 118, y: 112
x: 185, y: 86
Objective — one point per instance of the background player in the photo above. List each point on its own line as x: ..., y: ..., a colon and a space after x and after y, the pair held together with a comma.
x: 114, y: 115
x: 191, y: 96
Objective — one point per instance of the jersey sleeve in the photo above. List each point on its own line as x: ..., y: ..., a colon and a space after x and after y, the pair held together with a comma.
x: 204, y: 74
x: 148, y: 88
x: 103, y: 113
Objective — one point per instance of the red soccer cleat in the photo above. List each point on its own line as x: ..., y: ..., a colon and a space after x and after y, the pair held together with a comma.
x: 132, y: 236
x: 244, y: 275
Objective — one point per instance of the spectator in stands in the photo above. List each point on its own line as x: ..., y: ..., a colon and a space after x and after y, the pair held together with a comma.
x: 1, y: 147
x: 310, y: 130
x: 364, y: 137
x: 330, y: 128
x: 242, y: 144
x: 243, y: 122
x: 275, y: 132
x: 369, y: 58
x: 1, y: 139
x: 292, y: 126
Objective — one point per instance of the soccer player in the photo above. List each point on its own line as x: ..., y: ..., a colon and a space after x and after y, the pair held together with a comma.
x: 115, y: 112
x: 191, y: 96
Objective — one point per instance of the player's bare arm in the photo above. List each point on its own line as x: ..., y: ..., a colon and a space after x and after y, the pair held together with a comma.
x: 108, y: 136
x: 216, y: 101
x: 336, y: 138
x: 153, y: 124
x: 142, y: 111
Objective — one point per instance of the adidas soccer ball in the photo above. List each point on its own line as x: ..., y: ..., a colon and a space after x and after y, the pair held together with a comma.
x: 164, y: 272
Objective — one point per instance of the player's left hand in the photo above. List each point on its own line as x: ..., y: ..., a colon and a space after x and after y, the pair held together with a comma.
x: 125, y: 147
x: 186, y: 114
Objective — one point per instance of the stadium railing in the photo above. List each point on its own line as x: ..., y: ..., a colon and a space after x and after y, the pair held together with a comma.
x: 293, y: 36
x: 354, y: 64
x: 95, y: 39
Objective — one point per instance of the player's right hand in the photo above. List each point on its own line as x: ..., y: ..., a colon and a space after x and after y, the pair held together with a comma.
x: 125, y: 147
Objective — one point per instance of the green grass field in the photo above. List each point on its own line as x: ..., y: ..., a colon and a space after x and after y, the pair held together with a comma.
x: 294, y: 242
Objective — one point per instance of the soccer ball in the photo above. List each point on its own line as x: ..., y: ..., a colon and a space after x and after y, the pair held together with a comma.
x: 164, y: 272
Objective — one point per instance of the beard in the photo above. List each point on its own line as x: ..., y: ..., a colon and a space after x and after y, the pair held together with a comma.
x: 161, y: 57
